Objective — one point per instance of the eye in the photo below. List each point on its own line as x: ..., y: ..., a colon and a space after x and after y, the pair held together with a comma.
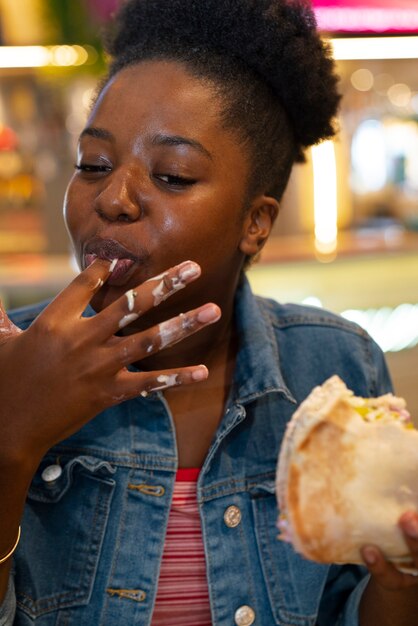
x: 88, y: 168
x: 175, y: 181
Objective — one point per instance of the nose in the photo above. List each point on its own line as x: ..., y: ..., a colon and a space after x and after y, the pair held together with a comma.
x: 119, y: 199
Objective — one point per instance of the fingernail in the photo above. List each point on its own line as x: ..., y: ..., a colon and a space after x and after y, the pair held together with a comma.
x: 210, y: 313
x: 113, y: 265
x: 370, y: 556
x: 200, y: 374
x: 188, y: 270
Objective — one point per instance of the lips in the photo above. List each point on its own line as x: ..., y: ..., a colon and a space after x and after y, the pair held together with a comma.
x: 110, y: 249
x: 121, y: 268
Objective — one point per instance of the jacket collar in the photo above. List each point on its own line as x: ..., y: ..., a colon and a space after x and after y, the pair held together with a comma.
x: 257, y: 370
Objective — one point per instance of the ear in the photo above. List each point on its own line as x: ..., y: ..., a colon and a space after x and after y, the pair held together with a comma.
x: 258, y: 224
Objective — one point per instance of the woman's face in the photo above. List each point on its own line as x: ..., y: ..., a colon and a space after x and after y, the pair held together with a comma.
x: 158, y: 181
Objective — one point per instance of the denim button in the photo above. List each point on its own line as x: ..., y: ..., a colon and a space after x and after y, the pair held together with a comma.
x: 232, y: 516
x: 51, y: 473
x: 244, y: 616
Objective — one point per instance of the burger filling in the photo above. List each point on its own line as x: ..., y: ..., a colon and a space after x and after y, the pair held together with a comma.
x: 385, y: 408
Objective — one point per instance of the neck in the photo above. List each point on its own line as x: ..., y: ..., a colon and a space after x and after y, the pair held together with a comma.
x: 207, y: 346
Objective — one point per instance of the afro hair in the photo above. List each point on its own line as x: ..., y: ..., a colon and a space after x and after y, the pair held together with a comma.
x: 264, y: 57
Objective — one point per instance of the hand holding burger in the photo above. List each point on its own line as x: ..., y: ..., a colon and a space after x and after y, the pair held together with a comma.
x: 347, y: 471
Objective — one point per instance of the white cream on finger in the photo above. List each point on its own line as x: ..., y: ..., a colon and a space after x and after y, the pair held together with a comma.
x: 168, y: 332
x: 164, y: 290
x: 130, y: 296
x: 166, y: 381
x: 158, y: 277
x: 158, y: 291
x: 128, y: 319
x: 161, y: 292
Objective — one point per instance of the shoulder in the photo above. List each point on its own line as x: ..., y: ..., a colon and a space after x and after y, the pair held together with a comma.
x: 288, y: 316
x: 315, y: 344
x: 24, y: 316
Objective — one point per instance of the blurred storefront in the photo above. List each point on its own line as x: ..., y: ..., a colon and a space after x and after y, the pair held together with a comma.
x: 347, y: 237
x: 352, y: 245
x: 50, y: 61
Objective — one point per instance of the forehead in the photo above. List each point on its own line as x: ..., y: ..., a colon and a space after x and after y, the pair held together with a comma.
x: 155, y: 96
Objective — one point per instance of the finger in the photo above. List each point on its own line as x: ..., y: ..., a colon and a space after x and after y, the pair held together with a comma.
x: 132, y: 385
x: 140, y: 345
x: 384, y: 572
x: 76, y: 296
x: 408, y: 523
x: 7, y: 328
x: 137, y: 301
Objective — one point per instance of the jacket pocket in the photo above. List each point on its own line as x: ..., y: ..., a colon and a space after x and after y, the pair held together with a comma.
x: 294, y: 585
x: 62, y: 534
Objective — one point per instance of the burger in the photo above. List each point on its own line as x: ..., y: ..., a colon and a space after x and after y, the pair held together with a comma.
x: 347, y: 470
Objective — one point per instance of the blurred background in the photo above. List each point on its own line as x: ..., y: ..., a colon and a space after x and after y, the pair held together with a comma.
x: 347, y: 236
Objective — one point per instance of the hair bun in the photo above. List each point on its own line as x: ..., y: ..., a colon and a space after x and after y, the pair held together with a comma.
x: 275, y: 38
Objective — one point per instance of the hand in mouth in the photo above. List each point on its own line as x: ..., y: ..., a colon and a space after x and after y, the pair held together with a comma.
x: 111, y: 250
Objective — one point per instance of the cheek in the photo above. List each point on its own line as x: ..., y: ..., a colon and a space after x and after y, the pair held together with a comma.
x: 191, y: 228
x: 210, y: 236
x: 73, y: 212
x: 68, y: 204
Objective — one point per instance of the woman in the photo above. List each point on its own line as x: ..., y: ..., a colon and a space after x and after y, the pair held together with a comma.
x: 143, y: 486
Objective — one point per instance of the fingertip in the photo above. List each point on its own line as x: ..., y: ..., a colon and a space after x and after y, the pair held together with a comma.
x: 99, y: 271
x: 370, y: 556
x: 189, y: 270
x: 201, y: 373
x: 408, y: 516
x: 209, y: 314
x: 409, y: 523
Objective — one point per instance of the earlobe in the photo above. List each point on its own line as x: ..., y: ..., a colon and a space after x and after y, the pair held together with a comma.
x: 258, y: 224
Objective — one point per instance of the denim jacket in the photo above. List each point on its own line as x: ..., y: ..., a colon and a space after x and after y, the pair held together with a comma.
x: 92, y: 539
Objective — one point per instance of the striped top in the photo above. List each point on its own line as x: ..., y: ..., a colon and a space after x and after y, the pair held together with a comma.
x: 183, y: 596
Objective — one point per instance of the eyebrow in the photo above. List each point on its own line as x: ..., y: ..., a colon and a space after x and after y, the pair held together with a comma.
x: 97, y: 133
x: 156, y: 140
x: 177, y: 140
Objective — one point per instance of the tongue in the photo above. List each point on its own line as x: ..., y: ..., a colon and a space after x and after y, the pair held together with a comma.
x: 90, y: 258
x: 121, y: 267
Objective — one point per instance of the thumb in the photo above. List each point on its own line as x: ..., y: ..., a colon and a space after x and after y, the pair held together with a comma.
x: 7, y: 328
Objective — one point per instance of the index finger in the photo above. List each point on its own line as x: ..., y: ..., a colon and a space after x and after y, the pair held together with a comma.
x: 74, y: 298
x: 138, y: 301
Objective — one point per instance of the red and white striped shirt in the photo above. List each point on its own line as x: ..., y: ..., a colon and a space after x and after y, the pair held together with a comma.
x: 183, y: 596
